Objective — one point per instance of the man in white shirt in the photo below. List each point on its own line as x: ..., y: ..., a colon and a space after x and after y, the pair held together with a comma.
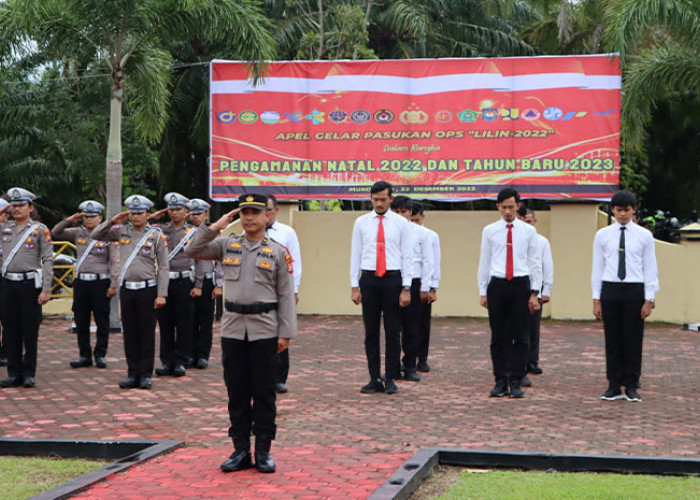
x: 420, y: 289
x: 528, y: 215
x: 286, y: 236
x: 418, y: 217
x: 624, y: 282
x: 380, y: 279
x: 509, y: 279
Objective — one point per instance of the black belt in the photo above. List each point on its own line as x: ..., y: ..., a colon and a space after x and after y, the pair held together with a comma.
x: 515, y: 278
x: 387, y: 273
x: 250, y: 308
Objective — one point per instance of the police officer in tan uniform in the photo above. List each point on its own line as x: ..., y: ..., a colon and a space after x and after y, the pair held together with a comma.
x: 143, y: 284
x: 175, y: 318
x: 26, y: 245
x: 259, y: 321
x: 96, y: 280
x: 4, y: 215
x: 208, y: 282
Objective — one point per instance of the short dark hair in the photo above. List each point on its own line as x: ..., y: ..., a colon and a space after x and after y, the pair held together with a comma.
x: 400, y: 201
x: 416, y: 208
x: 522, y: 210
x: 381, y: 186
x: 623, y: 198
x: 273, y: 198
x: 506, y: 193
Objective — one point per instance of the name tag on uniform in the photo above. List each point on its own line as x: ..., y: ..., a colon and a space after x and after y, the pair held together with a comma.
x: 264, y: 264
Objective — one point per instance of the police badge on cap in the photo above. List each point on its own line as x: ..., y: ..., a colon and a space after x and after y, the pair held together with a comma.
x: 198, y: 206
x: 176, y: 200
x: 91, y: 208
x: 20, y: 196
x: 137, y: 204
x: 257, y: 201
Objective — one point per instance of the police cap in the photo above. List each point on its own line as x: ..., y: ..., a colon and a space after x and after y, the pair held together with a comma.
x: 257, y: 201
x: 137, y: 204
x: 20, y: 196
x: 91, y: 207
x: 198, y: 206
x: 176, y: 200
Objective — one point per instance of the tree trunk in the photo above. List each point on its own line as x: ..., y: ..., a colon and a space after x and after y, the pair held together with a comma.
x: 113, y: 179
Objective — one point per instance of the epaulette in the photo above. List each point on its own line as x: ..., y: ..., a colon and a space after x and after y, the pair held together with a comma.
x: 265, y: 240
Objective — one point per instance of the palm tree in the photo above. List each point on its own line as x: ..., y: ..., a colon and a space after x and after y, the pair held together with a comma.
x: 127, y: 39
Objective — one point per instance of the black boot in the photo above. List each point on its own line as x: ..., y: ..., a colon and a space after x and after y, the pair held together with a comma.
x: 240, y: 458
x: 263, y: 459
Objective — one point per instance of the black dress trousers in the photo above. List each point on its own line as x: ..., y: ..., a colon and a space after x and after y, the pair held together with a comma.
x: 139, y: 325
x: 175, y: 321
x: 90, y: 298
x: 203, y: 325
x: 21, y: 315
x: 410, y: 327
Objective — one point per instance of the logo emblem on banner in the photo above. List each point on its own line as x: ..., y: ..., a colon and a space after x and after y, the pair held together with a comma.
x: 226, y: 117
x: 530, y: 114
x: 338, y: 116
x: 489, y: 114
x: 553, y: 113
x: 248, y: 117
x: 269, y: 117
x: 443, y: 116
x: 383, y: 116
x: 360, y: 116
x: 468, y: 116
x: 316, y: 117
x: 293, y: 117
x: 413, y: 117
x: 509, y: 114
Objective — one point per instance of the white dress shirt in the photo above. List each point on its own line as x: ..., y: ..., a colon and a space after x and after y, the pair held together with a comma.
x: 640, y: 258
x: 547, y: 266
x: 398, y: 244
x: 437, y: 256
x: 286, y: 236
x: 423, y: 258
x: 527, y: 255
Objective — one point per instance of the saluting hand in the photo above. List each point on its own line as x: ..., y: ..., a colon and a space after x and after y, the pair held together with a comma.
x: 224, y: 220
x: 159, y: 303
x: 119, y: 218
x: 158, y: 215
x: 76, y: 217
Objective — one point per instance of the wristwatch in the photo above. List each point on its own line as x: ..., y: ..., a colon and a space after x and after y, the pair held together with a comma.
x: 407, y: 288
x: 535, y: 292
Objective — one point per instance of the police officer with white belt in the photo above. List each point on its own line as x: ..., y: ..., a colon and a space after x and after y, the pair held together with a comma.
x: 208, y: 282
x: 176, y: 317
x: 26, y: 245
x: 96, y: 280
x: 259, y: 321
x: 143, y: 284
x: 4, y: 215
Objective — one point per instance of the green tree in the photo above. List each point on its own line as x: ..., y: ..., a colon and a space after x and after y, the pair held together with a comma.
x: 126, y: 39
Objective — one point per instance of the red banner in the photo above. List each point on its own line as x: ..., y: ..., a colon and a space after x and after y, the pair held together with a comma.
x: 448, y: 129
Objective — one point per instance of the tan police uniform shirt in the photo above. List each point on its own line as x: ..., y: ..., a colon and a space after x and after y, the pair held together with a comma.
x: 180, y: 262
x: 254, y: 272
x: 103, y: 257
x: 36, y: 249
x: 151, y: 261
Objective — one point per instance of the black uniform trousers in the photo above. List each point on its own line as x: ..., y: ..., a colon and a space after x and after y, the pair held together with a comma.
x: 424, y: 335
x: 21, y: 315
x: 90, y: 297
x: 381, y: 296
x: 534, y: 336
x: 283, y: 370
x: 508, y: 318
x: 249, y: 373
x: 621, y: 304
x: 410, y: 327
x: 3, y: 348
x: 203, y: 325
x: 176, y: 348
x: 139, y: 325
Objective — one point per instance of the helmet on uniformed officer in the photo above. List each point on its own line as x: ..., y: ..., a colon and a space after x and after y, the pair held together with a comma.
x: 91, y: 208
x: 20, y: 196
x: 176, y: 200
x: 198, y: 206
x: 251, y: 200
x: 137, y: 204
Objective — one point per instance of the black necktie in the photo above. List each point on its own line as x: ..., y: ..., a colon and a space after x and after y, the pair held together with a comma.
x: 621, y: 269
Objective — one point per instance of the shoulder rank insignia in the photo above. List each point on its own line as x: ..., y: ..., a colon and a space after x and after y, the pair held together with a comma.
x: 47, y: 235
x: 81, y: 240
x: 290, y: 263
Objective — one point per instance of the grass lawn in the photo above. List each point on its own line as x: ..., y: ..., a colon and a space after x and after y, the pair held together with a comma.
x: 517, y: 485
x: 23, y: 477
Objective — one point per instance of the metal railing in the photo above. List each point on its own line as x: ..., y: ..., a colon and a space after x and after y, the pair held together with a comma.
x: 63, y: 274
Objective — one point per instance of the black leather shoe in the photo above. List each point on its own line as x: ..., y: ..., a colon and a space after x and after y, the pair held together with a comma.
x: 423, y: 366
x: 391, y: 387
x: 264, y: 462
x: 239, y: 460
x: 129, y: 383
x: 534, y: 369
x: 202, y: 364
x: 11, y: 382
x: 145, y: 383
x: 179, y: 371
x: 499, y: 390
x: 372, y: 387
x: 164, y: 370
x: 29, y: 382
x: 81, y: 362
x: 515, y: 390
x: 526, y: 382
x: 3, y: 361
x: 411, y: 376
x: 280, y: 388
x: 101, y: 362
x: 191, y: 363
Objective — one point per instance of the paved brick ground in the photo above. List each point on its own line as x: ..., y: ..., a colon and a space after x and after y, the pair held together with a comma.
x: 334, y: 442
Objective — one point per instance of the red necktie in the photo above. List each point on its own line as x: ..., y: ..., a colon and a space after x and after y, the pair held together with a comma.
x: 381, y: 250
x: 509, y: 253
